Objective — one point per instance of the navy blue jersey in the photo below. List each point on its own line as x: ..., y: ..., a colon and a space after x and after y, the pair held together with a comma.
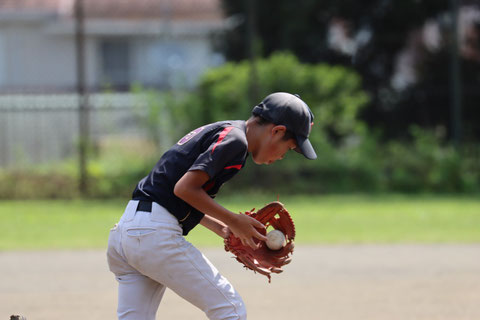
x: 219, y: 149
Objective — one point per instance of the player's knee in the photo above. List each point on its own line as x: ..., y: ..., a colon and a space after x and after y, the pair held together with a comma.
x: 235, y: 310
x: 241, y: 310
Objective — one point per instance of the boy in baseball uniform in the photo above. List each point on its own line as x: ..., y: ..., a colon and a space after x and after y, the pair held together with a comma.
x: 147, y: 250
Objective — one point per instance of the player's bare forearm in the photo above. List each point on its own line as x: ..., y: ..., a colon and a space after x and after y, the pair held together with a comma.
x: 189, y: 188
x: 215, y: 225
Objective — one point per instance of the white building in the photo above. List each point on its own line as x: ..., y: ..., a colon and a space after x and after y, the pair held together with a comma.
x: 160, y: 43
x: 157, y: 43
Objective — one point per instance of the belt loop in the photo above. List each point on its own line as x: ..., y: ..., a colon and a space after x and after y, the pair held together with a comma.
x: 145, y: 206
x: 130, y: 210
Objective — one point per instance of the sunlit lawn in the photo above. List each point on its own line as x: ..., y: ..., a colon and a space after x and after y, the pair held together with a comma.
x: 61, y: 224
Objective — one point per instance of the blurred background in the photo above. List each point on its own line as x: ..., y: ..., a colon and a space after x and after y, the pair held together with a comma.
x: 92, y: 92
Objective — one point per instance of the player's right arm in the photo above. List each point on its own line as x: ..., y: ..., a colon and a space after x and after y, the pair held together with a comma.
x: 215, y: 225
x: 189, y: 189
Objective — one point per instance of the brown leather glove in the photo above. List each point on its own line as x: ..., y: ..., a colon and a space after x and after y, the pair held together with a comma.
x: 264, y: 260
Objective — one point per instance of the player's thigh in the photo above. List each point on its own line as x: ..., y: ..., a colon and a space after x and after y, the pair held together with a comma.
x: 138, y: 296
x: 193, y: 277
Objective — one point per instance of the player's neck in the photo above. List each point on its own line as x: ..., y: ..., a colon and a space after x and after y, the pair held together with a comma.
x: 251, y: 132
x: 255, y: 132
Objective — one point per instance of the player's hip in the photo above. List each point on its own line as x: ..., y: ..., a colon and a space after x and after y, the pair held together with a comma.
x: 140, y: 235
x: 154, y: 214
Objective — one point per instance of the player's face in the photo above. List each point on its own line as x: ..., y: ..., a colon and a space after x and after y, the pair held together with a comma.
x: 273, y: 148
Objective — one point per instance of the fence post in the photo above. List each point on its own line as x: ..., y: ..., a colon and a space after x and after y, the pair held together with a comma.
x: 83, y: 109
x: 252, y: 41
x: 456, y: 80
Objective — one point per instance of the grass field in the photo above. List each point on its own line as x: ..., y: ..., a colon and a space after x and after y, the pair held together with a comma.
x: 33, y: 225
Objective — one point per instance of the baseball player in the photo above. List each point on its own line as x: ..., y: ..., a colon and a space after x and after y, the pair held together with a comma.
x: 147, y: 250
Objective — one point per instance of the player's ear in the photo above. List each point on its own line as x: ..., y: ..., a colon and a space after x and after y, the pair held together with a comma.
x: 279, y: 129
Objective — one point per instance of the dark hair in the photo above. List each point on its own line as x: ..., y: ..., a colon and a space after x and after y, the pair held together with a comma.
x: 262, y: 121
x: 289, y: 135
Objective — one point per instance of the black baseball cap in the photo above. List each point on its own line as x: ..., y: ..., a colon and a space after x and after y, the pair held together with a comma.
x: 282, y: 108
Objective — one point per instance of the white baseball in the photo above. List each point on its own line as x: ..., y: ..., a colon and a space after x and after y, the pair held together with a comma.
x: 276, y: 239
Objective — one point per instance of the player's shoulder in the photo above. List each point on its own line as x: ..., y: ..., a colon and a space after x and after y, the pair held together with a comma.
x: 227, y: 131
x: 232, y: 130
x: 228, y: 135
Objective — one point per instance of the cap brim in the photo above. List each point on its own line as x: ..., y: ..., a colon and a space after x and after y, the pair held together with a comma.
x: 305, y: 147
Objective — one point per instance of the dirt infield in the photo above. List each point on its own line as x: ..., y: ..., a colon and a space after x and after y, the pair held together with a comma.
x: 430, y: 282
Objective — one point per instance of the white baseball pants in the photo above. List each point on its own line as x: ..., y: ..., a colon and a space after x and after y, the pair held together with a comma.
x: 147, y: 253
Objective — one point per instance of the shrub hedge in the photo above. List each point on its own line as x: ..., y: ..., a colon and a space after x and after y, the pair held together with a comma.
x: 351, y: 157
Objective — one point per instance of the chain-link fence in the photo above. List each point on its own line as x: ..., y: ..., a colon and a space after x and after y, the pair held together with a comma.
x: 61, y: 60
x: 36, y: 129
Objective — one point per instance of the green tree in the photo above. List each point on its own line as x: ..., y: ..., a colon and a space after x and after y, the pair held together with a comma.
x: 333, y: 93
x: 379, y: 30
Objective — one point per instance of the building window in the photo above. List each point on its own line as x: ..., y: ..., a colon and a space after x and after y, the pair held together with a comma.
x: 115, y: 62
x: 167, y: 64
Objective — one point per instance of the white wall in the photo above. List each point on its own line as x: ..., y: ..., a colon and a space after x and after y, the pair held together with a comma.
x: 3, y: 64
x: 173, y: 62
x: 34, y: 58
x: 37, y: 59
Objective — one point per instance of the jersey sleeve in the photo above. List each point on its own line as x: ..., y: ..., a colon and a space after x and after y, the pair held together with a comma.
x: 222, y: 152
